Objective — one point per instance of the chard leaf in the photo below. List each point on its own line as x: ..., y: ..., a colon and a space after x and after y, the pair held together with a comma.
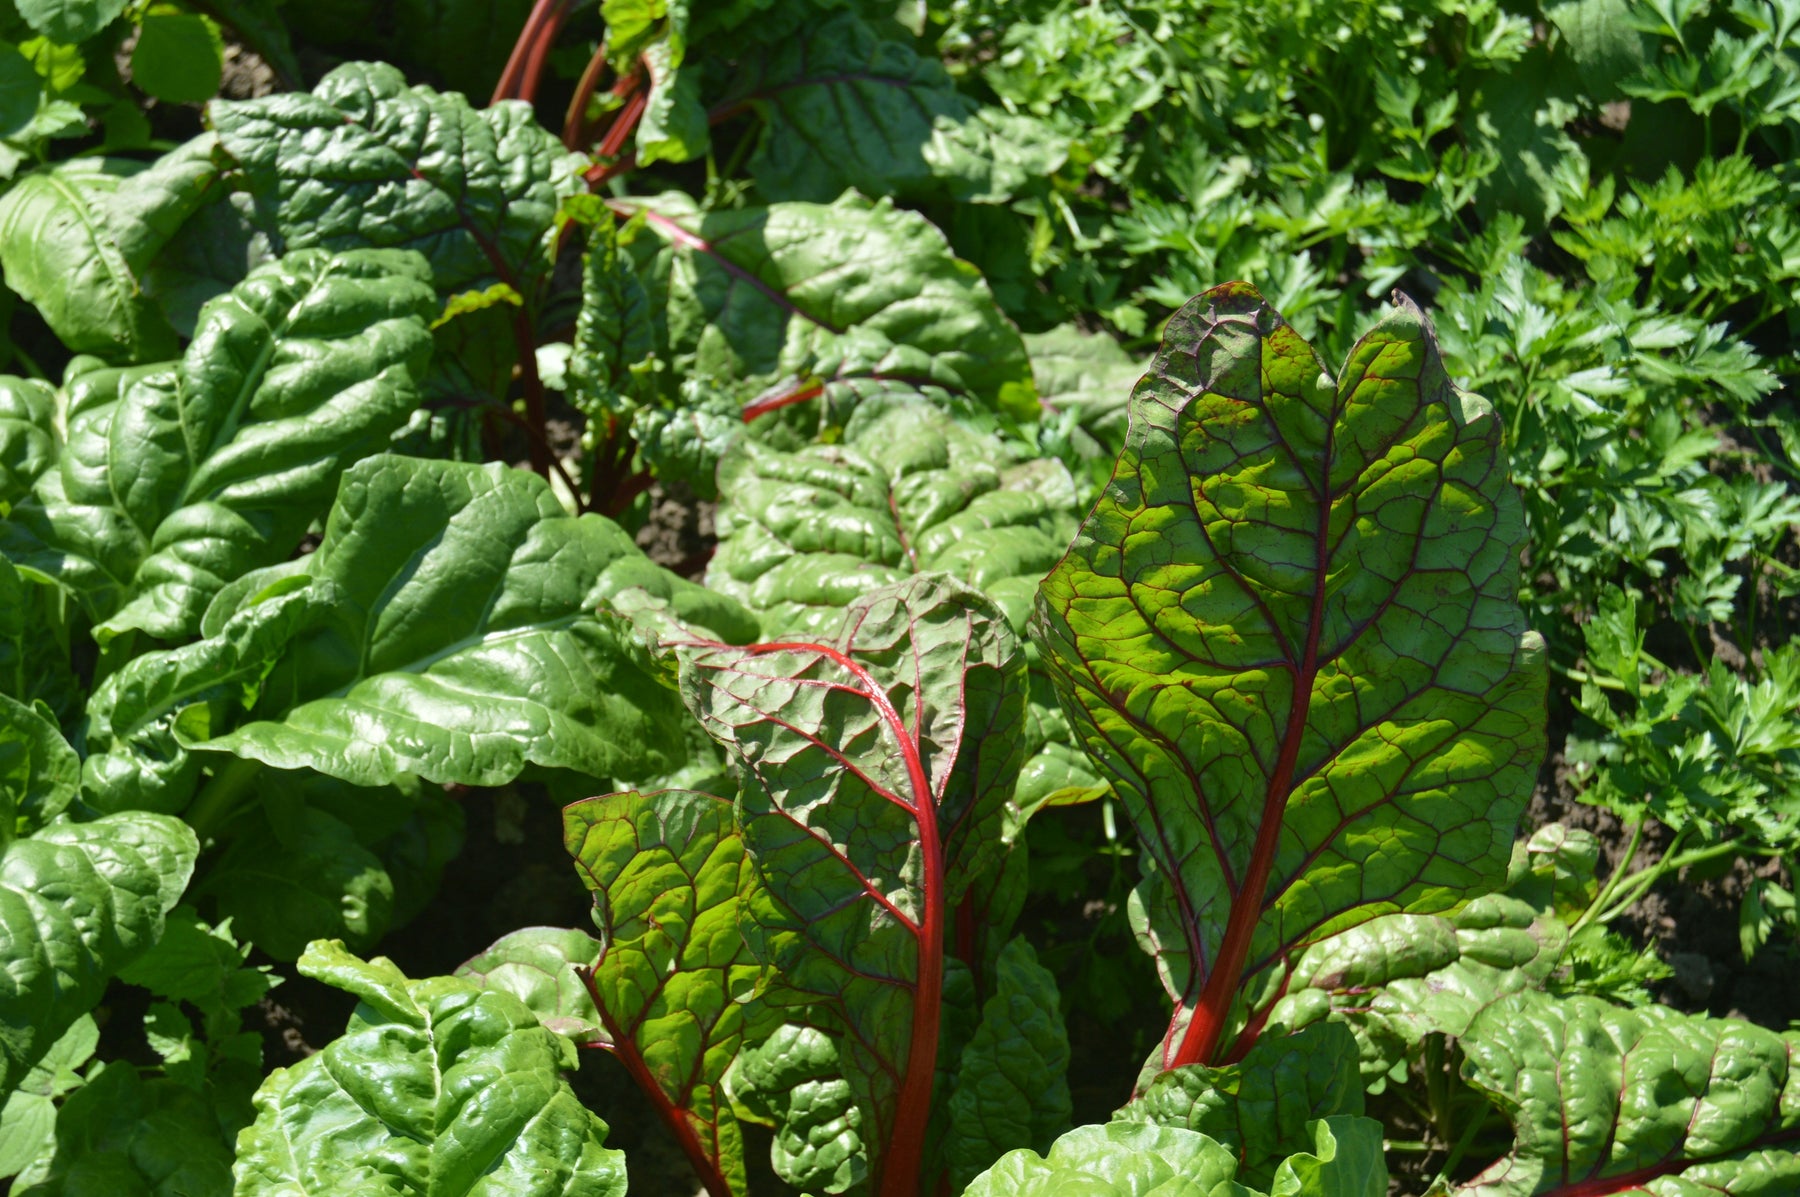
x: 909, y: 490
x: 1396, y: 979
x: 765, y: 296
x: 845, y: 107
x: 438, y: 1086
x: 77, y: 237
x: 851, y: 751
x: 1263, y: 1106
x: 516, y: 664
x: 78, y: 902
x: 671, y: 884
x: 1121, y: 1159
x: 1605, y: 1100
x: 538, y: 965
x: 794, y: 1079
x: 176, y: 481
x: 365, y: 160
x: 1289, y: 636
x: 27, y: 436
x: 1084, y: 384
x: 1011, y: 1086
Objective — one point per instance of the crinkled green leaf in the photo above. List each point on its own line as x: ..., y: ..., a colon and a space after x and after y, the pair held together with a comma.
x: 122, y: 1134
x: 673, y: 127
x: 1262, y: 1106
x: 1289, y: 635
x: 77, y: 237
x: 1125, y: 1159
x: 1084, y: 383
x: 1399, y: 978
x: 1604, y: 1100
x: 759, y: 296
x: 794, y: 1079
x: 218, y: 465
x: 365, y: 160
x: 27, y: 436
x: 909, y: 490
x: 39, y: 773
x: 900, y: 725
x: 671, y: 884
x: 538, y: 965
x: 515, y: 664
x: 1011, y: 1086
x: 78, y: 902
x: 444, y: 1087
x: 846, y: 107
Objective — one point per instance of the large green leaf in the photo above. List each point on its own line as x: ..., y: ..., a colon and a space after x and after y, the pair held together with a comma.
x: 78, y: 901
x: 759, y: 297
x: 438, y: 1086
x: 1605, y: 1100
x: 194, y: 474
x: 1125, y: 1159
x: 846, y: 107
x: 76, y: 239
x: 465, y: 638
x: 671, y: 883
x: 1263, y: 1106
x: 1289, y: 635
x: 875, y: 769
x: 365, y: 160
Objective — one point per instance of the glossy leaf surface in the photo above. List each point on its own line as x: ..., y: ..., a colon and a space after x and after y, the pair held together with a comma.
x: 1606, y: 1101
x: 515, y: 662
x: 194, y: 474
x: 538, y: 965
x: 1288, y: 633
x: 438, y: 1087
x: 365, y: 160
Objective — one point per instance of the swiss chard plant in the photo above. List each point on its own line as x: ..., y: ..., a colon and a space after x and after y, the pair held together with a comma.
x: 780, y: 438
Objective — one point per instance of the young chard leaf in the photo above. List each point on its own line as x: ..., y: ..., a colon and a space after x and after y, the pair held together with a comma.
x: 538, y: 966
x: 365, y: 160
x: 1611, y: 1101
x: 1263, y: 1106
x: 671, y: 881
x: 871, y: 807
x: 439, y: 1086
x: 1289, y: 634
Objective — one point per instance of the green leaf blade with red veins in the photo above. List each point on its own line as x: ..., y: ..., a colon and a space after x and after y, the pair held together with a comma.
x: 876, y: 767
x: 1605, y: 1100
x: 1289, y: 634
x: 671, y: 884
